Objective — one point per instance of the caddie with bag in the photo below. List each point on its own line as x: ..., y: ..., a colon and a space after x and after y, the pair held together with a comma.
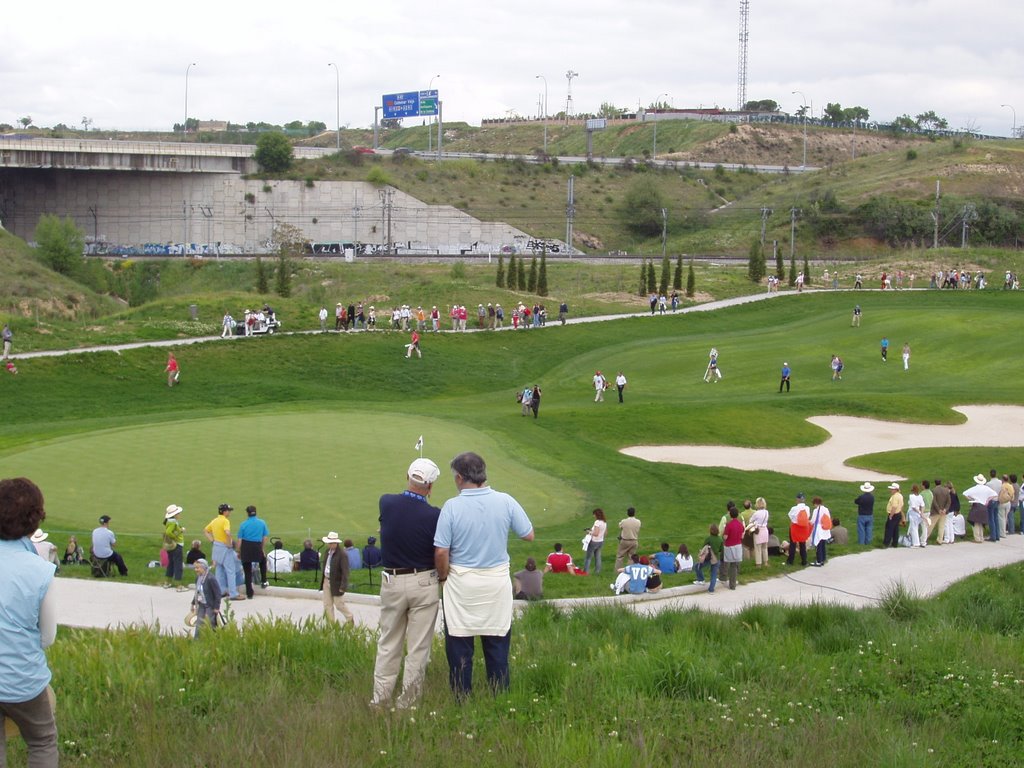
x: 173, y: 543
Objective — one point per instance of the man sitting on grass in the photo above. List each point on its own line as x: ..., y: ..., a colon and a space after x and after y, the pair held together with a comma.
x: 664, y: 559
x: 559, y: 562
x: 635, y: 576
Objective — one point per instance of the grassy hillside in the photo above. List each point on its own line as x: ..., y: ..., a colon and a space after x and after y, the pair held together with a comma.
x: 30, y: 290
x: 714, y: 211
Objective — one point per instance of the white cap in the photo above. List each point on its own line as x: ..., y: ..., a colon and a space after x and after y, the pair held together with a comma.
x: 423, y: 471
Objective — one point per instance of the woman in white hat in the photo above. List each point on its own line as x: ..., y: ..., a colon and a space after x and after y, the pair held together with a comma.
x: 173, y: 543
x: 45, y: 548
x: 979, y: 495
x: 334, y: 582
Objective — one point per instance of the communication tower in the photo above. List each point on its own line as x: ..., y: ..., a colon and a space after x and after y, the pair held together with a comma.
x: 568, y: 101
x: 741, y: 81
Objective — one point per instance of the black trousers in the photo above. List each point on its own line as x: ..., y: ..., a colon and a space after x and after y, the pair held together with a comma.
x: 892, y: 531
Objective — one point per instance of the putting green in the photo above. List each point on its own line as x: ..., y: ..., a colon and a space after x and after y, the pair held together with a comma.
x: 307, y: 473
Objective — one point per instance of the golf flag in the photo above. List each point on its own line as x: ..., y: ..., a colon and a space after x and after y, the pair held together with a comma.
x: 419, y: 444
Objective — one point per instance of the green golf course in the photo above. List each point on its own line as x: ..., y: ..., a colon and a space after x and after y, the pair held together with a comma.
x: 313, y: 428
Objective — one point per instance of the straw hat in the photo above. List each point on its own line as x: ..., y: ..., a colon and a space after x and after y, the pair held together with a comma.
x: 867, y: 488
x: 173, y: 510
x: 331, y: 538
x: 39, y: 536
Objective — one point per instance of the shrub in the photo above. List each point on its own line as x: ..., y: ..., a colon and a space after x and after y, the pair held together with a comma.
x: 378, y: 177
x: 274, y: 152
x: 60, y: 241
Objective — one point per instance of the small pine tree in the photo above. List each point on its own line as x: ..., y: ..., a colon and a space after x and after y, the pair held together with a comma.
x: 755, y: 267
x: 542, y: 278
x: 780, y: 265
x: 262, y: 282
x: 284, y: 277
x: 500, y: 279
x: 691, y: 280
x: 531, y: 284
x: 792, y: 271
x: 510, y: 280
x: 521, y: 276
x: 666, y: 273
x: 677, y: 278
x: 643, y: 279
x: 652, y: 278
x: 807, y: 271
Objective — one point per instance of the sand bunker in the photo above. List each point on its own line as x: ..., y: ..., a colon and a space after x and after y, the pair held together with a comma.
x: 987, y: 426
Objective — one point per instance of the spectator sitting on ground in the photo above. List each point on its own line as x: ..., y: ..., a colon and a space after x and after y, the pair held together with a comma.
x: 195, y: 553
x: 355, y: 558
x: 44, y: 548
x: 958, y: 524
x: 840, y: 535
x: 371, y: 553
x: 73, y: 553
x: 654, y: 580
x: 684, y: 560
x: 774, y: 545
x: 528, y: 584
x: 665, y: 560
x: 279, y: 560
x: 636, y: 575
x: 559, y: 562
x: 309, y: 558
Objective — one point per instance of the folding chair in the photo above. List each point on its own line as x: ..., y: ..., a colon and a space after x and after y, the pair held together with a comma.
x: 100, y: 566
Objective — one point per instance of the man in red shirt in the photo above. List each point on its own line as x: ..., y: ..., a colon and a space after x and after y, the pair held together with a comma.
x: 413, y: 345
x: 559, y: 562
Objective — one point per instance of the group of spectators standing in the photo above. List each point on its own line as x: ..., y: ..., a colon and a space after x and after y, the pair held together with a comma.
x: 996, y: 510
x: 406, y: 318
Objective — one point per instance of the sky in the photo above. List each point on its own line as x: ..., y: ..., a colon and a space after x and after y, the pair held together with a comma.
x: 123, y: 65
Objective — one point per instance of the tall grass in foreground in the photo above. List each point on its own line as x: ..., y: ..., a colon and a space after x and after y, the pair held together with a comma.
x: 937, y: 686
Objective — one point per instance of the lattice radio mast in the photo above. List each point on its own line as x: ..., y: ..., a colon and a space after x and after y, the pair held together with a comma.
x: 568, y: 101
x: 741, y: 80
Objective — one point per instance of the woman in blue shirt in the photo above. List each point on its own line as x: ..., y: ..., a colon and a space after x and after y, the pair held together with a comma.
x: 27, y: 623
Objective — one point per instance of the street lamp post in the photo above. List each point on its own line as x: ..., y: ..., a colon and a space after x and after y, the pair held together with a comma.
x: 184, y: 126
x: 1013, y: 131
x: 804, y: 105
x: 545, y: 112
x: 430, y: 138
x: 654, y: 147
x: 337, y: 87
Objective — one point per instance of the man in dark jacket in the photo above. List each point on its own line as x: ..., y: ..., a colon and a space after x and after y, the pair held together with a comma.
x: 334, y: 582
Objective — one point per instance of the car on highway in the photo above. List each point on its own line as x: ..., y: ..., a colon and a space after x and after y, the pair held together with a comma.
x: 363, y: 150
x: 403, y: 151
